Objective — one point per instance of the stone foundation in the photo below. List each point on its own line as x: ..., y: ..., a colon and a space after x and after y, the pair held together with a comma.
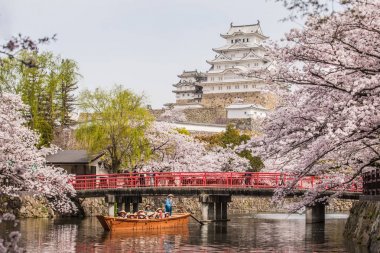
x: 221, y: 100
x: 206, y: 115
x: 363, y: 225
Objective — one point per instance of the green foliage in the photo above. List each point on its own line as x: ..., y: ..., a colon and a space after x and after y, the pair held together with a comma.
x: 115, y: 121
x: 183, y: 131
x: 232, y: 138
x: 47, y: 89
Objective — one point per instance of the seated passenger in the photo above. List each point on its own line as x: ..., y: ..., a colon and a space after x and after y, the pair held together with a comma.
x: 158, y: 214
x: 148, y: 211
x: 141, y: 214
x: 122, y: 214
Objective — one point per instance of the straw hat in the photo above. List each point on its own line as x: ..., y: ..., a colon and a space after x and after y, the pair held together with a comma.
x: 159, y: 209
x: 170, y: 195
x: 122, y: 211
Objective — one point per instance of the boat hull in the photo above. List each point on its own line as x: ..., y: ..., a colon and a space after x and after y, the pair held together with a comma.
x: 116, y: 223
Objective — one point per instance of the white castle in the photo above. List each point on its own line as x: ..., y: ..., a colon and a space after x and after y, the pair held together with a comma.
x: 226, y: 81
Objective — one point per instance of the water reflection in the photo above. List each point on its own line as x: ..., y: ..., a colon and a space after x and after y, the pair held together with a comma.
x: 167, y: 240
x: 244, y: 233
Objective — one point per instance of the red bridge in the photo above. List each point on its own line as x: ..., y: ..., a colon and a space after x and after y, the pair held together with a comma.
x: 213, y: 189
x: 257, y: 180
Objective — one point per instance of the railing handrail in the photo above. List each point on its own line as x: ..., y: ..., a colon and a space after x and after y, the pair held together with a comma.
x: 267, y: 180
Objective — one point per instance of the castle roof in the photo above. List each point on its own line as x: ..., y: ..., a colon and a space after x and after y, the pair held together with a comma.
x: 244, y: 29
x: 237, y: 46
x: 192, y: 73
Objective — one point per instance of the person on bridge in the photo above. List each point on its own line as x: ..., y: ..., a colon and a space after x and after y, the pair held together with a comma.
x: 169, y: 204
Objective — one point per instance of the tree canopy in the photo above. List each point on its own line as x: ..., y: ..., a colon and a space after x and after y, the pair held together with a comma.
x: 232, y: 138
x: 115, y: 121
x: 46, y: 85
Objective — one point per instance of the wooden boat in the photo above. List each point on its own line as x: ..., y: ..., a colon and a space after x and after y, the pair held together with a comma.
x: 118, y: 223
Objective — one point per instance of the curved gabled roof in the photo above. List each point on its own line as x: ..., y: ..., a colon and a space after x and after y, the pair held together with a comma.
x: 244, y: 29
x: 237, y: 46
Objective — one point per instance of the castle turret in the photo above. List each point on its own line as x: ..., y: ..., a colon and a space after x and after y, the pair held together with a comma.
x: 188, y: 90
x: 226, y: 78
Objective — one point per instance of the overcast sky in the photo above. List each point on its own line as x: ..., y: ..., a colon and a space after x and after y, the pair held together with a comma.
x: 141, y: 44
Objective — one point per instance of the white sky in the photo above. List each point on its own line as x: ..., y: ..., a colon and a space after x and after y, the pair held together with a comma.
x: 140, y: 44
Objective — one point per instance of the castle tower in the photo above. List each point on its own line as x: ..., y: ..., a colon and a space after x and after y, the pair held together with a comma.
x: 188, y: 90
x: 226, y: 82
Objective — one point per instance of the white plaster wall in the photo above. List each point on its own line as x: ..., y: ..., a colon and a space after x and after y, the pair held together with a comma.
x: 245, y: 113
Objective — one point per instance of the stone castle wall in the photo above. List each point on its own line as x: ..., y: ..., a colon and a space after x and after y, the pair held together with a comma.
x: 206, y: 115
x: 221, y: 100
x: 363, y: 225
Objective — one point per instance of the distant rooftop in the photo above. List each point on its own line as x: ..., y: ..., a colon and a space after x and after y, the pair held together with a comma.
x: 72, y: 157
x: 245, y: 106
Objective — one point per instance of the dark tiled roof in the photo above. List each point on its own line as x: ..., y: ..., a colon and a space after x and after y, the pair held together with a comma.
x: 72, y: 157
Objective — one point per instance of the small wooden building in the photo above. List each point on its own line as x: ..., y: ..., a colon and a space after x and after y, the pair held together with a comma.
x: 78, y: 162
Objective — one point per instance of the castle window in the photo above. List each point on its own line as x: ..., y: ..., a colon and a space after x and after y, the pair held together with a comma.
x: 243, y: 40
x: 236, y: 86
x: 256, y: 64
x: 249, y: 65
x: 247, y: 39
x: 220, y: 87
x: 245, y: 86
x: 232, y: 41
x: 228, y: 87
x: 220, y: 78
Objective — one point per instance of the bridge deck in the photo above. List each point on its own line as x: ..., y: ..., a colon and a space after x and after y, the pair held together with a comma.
x: 193, y: 191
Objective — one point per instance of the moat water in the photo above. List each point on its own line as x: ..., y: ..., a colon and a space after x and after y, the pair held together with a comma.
x: 244, y: 233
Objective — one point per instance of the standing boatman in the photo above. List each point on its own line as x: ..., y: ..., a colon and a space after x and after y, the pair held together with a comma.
x: 169, y: 204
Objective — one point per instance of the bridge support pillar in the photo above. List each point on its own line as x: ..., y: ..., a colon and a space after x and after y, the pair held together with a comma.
x: 110, y: 200
x: 127, y: 204
x: 224, y: 210
x: 315, y: 213
x: 134, y: 200
x: 119, y: 203
x: 218, y: 210
x: 214, y: 207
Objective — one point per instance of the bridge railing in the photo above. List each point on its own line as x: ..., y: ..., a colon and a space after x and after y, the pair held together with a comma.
x: 371, y: 182
x: 261, y: 180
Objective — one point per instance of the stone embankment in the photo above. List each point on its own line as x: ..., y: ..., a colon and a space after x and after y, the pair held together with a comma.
x: 28, y: 206
x: 244, y: 205
x: 363, y: 224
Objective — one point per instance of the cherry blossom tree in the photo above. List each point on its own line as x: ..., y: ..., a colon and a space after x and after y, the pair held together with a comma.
x: 173, y: 115
x: 329, y: 124
x: 23, y: 166
x: 175, y: 152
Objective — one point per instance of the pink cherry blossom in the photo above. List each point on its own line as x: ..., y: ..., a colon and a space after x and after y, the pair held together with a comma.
x: 328, y: 123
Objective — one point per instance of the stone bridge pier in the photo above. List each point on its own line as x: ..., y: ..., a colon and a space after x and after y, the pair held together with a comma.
x: 316, y: 213
x: 214, y: 207
x: 123, y: 203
